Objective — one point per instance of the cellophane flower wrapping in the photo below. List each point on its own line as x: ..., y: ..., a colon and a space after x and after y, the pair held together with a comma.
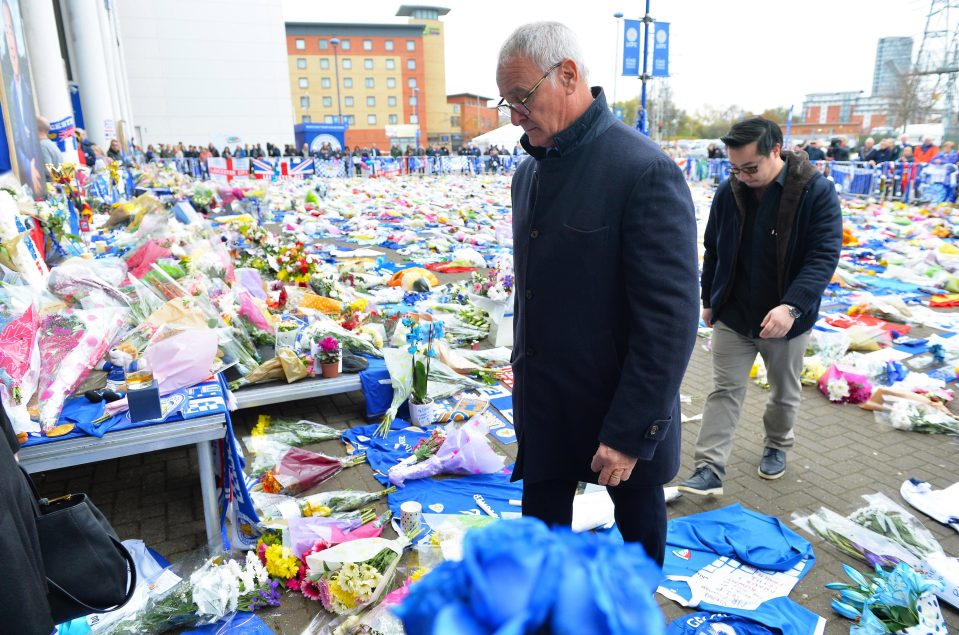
x: 19, y: 354
x: 884, y: 516
x: 466, y: 450
x: 518, y: 576
x: 298, y: 470
x: 292, y: 432
x: 843, y: 384
x: 209, y: 590
x: 71, y: 343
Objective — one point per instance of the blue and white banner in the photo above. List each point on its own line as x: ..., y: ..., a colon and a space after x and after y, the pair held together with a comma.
x: 661, y: 50
x: 630, y: 48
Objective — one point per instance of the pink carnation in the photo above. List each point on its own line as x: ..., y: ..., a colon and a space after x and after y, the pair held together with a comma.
x: 314, y: 590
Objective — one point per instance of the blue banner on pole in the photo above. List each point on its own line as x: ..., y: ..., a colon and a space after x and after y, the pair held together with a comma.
x: 661, y: 50
x: 630, y: 48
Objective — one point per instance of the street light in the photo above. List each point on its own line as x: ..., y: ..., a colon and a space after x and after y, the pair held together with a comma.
x: 416, y: 113
x: 618, y: 15
x: 336, y: 67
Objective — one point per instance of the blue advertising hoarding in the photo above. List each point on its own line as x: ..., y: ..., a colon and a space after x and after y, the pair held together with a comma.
x: 630, y: 48
x: 661, y: 50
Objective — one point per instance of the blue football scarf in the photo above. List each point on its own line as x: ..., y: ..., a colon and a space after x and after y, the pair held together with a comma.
x: 729, y: 545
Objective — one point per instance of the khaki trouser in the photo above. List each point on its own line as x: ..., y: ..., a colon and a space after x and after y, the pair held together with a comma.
x: 733, y: 356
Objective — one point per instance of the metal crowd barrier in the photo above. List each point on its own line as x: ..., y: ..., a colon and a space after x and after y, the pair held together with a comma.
x: 892, y: 180
x: 383, y: 166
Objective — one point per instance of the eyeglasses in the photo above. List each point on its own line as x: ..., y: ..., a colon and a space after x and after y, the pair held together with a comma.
x: 520, y: 107
x: 748, y: 169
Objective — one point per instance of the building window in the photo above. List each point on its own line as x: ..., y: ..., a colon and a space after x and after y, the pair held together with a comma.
x: 371, y: 101
x: 390, y: 64
x: 304, y: 102
x: 368, y: 64
x: 394, y: 120
x: 370, y: 83
x: 345, y: 45
x: 347, y: 82
x: 371, y: 120
x: 367, y: 45
x: 325, y: 63
x: 301, y: 62
x: 391, y: 82
x: 456, y: 108
x: 411, y: 82
x: 348, y: 102
x: 411, y: 64
x: 410, y: 45
x: 327, y: 102
x: 324, y: 45
x: 413, y: 119
x: 351, y: 120
x: 389, y: 45
x: 325, y: 82
x: 391, y: 101
x: 300, y: 45
x: 307, y: 119
x: 455, y: 122
x: 329, y: 119
x: 347, y: 64
x: 304, y: 82
x: 412, y: 100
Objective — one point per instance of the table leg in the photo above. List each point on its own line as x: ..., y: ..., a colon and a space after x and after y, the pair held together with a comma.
x: 211, y: 509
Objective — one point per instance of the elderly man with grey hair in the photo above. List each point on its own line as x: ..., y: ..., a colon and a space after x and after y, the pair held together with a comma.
x: 606, y: 307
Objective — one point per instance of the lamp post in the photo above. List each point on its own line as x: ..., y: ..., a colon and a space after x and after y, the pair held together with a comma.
x: 416, y: 113
x: 618, y: 15
x: 336, y: 67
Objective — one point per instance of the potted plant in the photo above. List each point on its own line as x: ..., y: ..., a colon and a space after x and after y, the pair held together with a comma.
x: 330, y: 353
x: 419, y: 339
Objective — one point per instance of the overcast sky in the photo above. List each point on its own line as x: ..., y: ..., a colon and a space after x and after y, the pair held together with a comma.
x: 753, y: 53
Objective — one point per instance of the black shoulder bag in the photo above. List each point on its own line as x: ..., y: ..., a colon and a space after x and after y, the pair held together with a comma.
x: 88, y: 569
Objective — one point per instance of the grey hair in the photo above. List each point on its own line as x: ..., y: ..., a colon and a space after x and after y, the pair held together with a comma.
x: 544, y: 44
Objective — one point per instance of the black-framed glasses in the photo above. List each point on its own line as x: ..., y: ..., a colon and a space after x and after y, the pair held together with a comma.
x: 749, y: 169
x: 520, y: 107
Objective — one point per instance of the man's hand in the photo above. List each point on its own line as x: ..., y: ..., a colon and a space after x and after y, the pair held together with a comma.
x: 613, y: 466
x: 776, y: 323
x: 35, y: 178
x: 708, y: 317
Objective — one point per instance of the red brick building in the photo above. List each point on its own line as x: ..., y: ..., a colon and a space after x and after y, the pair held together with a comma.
x: 473, y: 115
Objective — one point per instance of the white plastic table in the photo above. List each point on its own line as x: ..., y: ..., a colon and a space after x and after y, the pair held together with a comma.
x: 279, y: 392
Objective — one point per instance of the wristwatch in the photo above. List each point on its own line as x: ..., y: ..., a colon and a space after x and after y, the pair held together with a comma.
x: 793, y: 311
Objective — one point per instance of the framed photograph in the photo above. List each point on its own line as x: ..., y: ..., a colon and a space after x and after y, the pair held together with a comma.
x: 16, y: 101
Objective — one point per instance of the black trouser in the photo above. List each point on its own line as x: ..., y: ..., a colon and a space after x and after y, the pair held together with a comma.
x: 640, y: 511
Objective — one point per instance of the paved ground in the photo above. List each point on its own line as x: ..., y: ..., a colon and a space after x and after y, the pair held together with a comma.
x: 841, y: 453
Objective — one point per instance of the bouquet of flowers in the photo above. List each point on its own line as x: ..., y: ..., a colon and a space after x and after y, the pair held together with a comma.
x: 293, y: 264
x: 216, y: 589
x: 888, y: 602
x: 911, y: 415
x: 292, y: 432
x: 497, y: 284
x: 298, y: 470
x: 854, y: 540
x: 328, y: 503
x: 354, y: 574
x: 845, y: 385
x: 19, y: 353
x: 557, y: 582
x: 465, y: 450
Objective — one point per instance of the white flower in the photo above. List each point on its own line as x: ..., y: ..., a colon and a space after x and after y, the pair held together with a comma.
x: 215, y: 590
x: 837, y: 389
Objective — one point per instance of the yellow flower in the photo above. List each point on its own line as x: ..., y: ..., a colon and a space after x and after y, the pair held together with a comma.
x: 262, y: 423
x: 281, y: 563
x: 418, y: 574
x: 359, y: 304
x: 339, y: 593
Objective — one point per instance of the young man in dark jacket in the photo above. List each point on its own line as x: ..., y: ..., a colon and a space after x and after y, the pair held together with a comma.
x: 772, y: 243
x: 602, y: 215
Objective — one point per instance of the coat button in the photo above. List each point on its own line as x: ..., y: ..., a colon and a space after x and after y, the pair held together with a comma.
x: 653, y: 430
x: 534, y: 233
x: 530, y: 352
x: 529, y: 294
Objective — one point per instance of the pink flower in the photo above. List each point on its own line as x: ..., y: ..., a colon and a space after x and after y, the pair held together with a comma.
x: 313, y: 590
x: 323, y: 591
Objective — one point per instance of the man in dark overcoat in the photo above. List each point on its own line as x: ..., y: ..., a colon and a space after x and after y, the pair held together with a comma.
x: 605, y: 296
